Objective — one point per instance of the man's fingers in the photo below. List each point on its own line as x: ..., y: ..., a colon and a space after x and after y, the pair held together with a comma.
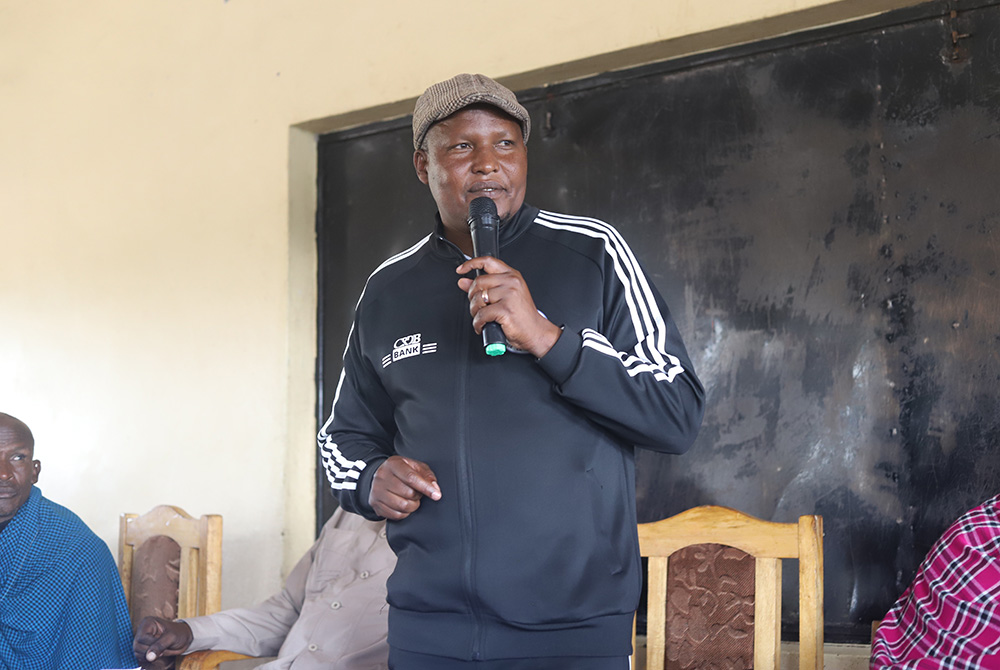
x: 398, y: 486
x: 154, y: 650
x: 393, y: 507
x: 146, y: 634
x: 487, y: 264
x: 421, y: 478
x: 148, y: 653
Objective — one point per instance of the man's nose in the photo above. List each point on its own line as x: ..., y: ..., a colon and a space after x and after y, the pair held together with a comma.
x: 484, y: 160
x: 6, y: 470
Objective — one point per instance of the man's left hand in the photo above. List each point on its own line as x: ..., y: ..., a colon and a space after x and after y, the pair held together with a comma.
x: 502, y: 296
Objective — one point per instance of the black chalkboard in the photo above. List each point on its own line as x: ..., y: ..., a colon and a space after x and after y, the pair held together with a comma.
x: 822, y: 214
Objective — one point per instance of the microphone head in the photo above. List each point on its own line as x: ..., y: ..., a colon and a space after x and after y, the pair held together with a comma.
x: 481, y: 208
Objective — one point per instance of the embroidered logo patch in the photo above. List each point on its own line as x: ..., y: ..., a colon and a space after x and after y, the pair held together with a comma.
x: 407, y: 347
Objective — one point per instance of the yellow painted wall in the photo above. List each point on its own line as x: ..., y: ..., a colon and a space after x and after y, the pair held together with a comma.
x: 156, y: 202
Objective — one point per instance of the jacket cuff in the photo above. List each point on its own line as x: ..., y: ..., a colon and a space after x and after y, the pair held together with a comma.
x: 561, y: 359
x: 364, y: 489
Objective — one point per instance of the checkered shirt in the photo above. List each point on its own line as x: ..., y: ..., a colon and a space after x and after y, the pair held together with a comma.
x: 949, y: 617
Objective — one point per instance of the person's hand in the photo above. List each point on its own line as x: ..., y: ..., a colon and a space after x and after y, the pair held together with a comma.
x: 502, y: 296
x: 399, y: 484
x: 156, y: 637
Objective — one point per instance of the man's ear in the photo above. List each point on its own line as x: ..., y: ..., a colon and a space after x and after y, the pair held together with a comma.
x: 420, y: 165
x: 36, y: 467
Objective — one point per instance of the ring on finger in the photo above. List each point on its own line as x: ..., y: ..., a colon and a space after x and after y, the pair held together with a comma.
x: 486, y: 297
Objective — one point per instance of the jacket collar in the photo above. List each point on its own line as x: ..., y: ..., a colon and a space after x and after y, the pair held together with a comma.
x: 510, y: 230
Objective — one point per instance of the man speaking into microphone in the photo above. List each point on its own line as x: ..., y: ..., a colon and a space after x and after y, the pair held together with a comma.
x: 508, y: 480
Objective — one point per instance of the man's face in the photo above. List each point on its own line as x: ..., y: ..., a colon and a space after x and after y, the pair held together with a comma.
x: 18, y: 471
x: 477, y: 151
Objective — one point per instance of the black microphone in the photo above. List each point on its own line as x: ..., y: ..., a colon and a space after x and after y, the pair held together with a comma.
x: 484, y: 223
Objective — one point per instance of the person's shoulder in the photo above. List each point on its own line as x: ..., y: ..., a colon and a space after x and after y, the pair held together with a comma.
x: 349, y: 539
x: 977, y: 530
x: 59, y: 515
x: 402, y: 261
x: 554, y: 218
x: 393, y: 269
x: 66, y: 532
x: 575, y: 226
x: 588, y: 235
x: 986, y: 513
x: 981, y: 524
x: 343, y: 520
x: 992, y: 507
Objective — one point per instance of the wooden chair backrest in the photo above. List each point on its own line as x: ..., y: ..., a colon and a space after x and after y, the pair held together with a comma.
x: 768, y: 542
x: 200, y: 540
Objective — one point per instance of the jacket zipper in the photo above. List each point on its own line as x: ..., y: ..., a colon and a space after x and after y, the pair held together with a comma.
x: 467, y: 489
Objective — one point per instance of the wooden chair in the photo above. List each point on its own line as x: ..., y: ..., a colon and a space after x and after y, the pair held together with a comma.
x: 768, y: 543
x: 200, y: 567
x: 192, y: 570
x: 208, y: 660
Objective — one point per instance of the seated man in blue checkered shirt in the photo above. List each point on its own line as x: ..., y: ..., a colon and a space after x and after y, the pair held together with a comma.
x: 61, y: 600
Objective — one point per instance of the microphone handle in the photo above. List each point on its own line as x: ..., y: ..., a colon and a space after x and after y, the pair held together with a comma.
x: 494, y: 341
x: 484, y: 224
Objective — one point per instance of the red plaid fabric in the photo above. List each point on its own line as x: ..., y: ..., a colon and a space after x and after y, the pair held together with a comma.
x: 949, y: 617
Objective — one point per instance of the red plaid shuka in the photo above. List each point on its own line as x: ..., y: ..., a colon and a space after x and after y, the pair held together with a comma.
x: 949, y: 617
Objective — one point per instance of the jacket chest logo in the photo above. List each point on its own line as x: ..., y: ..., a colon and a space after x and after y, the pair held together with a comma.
x: 407, y: 347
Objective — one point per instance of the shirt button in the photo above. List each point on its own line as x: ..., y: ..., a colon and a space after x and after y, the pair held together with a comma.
x: 313, y: 647
x: 365, y: 574
x: 381, y: 533
x: 335, y: 605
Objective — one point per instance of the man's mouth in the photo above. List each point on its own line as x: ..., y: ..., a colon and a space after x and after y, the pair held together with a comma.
x: 486, y: 188
x: 7, y: 493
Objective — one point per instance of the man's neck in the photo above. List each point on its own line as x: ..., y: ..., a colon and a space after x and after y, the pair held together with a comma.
x: 463, y: 242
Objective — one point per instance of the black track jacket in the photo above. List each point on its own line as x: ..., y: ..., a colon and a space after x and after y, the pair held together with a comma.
x: 532, y: 549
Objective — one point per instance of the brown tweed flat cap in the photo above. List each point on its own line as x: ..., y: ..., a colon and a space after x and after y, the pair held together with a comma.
x: 447, y: 97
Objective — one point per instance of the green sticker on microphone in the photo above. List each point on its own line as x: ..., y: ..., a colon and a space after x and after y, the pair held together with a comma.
x: 496, y: 349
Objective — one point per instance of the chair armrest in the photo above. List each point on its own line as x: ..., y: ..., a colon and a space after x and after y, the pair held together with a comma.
x: 208, y: 660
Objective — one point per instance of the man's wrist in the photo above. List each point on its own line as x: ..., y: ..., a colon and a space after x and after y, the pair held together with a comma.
x: 183, y: 634
x: 560, y: 361
x: 364, y: 489
x: 550, y: 335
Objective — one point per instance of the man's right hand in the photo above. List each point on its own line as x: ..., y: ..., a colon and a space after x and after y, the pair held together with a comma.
x: 156, y: 637
x: 399, y: 484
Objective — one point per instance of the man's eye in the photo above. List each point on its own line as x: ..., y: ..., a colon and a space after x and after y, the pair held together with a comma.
x: 17, y: 457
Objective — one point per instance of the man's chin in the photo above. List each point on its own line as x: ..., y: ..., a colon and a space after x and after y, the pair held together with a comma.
x: 507, y: 208
x: 9, y: 507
